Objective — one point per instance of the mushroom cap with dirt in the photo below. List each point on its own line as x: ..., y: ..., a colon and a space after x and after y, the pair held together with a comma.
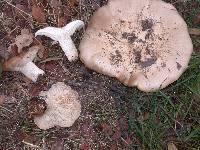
x: 63, y: 107
x: 143, y: 43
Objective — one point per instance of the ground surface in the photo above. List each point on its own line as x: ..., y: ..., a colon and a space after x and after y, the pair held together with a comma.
x: 113, y: 116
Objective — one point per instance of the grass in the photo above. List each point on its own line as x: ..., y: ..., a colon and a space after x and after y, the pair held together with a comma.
x: 173, y: 113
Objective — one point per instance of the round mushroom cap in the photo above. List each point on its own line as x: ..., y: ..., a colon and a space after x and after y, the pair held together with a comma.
x: 63, y: 107
x: 143, y: 43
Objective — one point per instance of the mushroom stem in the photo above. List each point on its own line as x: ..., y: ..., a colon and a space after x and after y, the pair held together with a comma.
x: 31, y: 71
x: 69, y: 48
x: 63, y: 36
x: 71, y: 27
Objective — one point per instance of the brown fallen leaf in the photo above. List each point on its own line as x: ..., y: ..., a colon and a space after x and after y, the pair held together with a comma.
x: 2, y: 99
x: 21, y: 41
x: 23, y: 8
x: 38, y: 14
x: 197, y: 18
x: 194, y: 31
x: 61, y: 21
x: 171, y: 146
x: 73, y: 3
x: 36, y: 89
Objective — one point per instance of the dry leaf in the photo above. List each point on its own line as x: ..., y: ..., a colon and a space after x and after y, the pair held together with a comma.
x: 23, y: 40
x: 194, y: 31
x: 61, y: 21
x: 197, y: 18
x: 72, y: 3
x: 38, y: 14
x: 2, y: 99
x: 21, y: 7
x: 171, y: 146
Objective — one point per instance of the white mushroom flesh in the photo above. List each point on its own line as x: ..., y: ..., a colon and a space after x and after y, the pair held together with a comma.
x: 63, y: 36
x: 63, y: 107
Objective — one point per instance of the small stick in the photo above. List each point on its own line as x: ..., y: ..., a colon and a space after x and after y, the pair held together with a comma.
x: 30, y: 144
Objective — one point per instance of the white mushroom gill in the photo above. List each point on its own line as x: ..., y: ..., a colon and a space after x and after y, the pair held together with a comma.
x: 63, y: 36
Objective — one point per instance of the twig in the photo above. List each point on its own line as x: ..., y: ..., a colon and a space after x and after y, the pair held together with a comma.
x: 30, y: 144
x: 50, y: 59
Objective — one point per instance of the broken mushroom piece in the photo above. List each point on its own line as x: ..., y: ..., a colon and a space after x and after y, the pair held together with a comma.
x: 143, y: 43
x: 23, y: 63
x: 63, y: 107
x: 63, y: 36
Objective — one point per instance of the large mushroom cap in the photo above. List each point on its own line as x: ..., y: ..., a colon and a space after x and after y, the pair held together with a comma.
x: 63, y: 107
x: 143, y: 43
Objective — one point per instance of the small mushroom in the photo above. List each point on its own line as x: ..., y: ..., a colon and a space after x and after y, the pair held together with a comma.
x: 63, y: 107
x: 143, y: 43
x: 63, y: 36
x: 23, y: 63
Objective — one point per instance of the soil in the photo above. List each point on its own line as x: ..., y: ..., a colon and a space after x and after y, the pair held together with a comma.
x: 102, y: 124
x: 131, y: 37
x: 146, y: 24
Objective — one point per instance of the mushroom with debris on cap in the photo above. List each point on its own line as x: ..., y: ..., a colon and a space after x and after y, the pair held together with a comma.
x: 143, y: 43
x: 63, y: 107
x: 23, y: 63
x: 63, y: 36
